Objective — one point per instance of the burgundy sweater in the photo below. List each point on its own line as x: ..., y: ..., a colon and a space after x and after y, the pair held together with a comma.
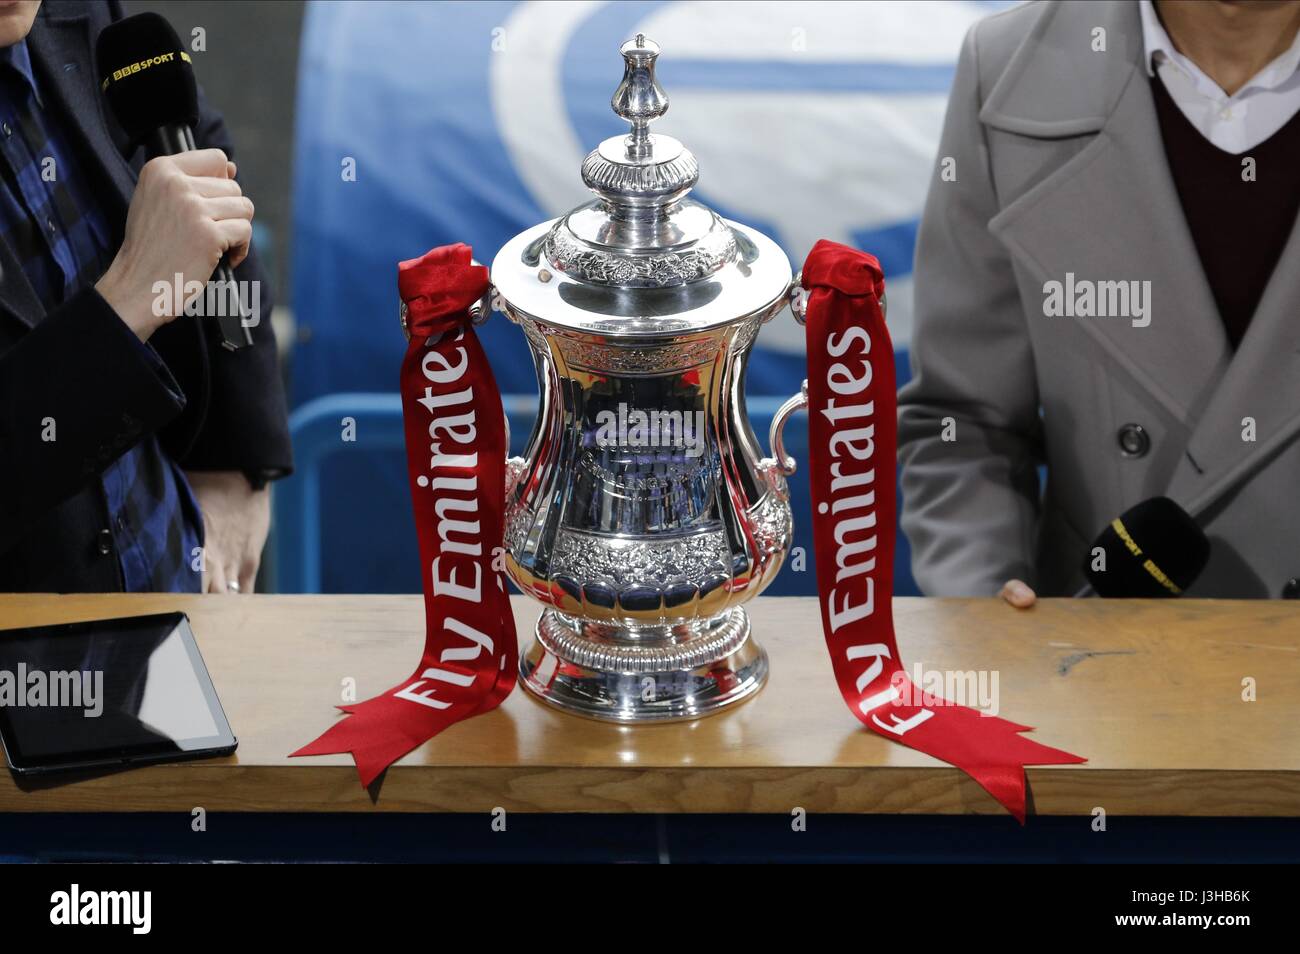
x: 1239, y: 227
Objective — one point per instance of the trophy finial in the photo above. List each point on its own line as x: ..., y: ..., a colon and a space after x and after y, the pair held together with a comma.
x: 640, y: 177
x: 639, y: 98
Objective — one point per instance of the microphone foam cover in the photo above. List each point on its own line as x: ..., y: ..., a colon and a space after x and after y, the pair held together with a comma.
x: 146, y: 75
x: 1153, y: 549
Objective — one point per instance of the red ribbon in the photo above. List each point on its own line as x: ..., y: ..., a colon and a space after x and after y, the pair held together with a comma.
x: 853, y: 434
x: 456, y: 452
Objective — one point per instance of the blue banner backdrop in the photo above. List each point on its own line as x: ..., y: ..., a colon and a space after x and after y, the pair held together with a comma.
x: 424, y: 124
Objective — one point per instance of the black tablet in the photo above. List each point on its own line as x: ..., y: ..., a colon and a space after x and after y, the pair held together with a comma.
x: 107, y: 692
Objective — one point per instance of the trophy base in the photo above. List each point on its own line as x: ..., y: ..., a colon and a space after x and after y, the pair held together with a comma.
x: 659, y: 674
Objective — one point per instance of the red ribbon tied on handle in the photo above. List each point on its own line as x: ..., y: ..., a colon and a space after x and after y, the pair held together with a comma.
x: 853, y: 436
x: 456, y: 452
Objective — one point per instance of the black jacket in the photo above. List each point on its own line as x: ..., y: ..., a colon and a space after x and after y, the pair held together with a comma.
x: 74, y: 364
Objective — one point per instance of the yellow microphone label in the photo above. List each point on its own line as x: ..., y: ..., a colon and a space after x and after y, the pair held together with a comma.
x: 144, y: 64
x: 1157, y: 574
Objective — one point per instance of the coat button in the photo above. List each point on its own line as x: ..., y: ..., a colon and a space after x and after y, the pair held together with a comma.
x: 104, y: 542
x: 1291, y: 589
x: 1133, y: 440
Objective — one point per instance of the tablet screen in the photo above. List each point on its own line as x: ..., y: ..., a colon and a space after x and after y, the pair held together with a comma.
x: 106, y: 691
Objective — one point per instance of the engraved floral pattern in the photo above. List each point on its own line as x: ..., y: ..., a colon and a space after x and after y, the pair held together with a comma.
x: 772, y: 523
x: 655, y: 270
x: 518, y: 520
x: 613, y: 358
x: 690, y: 559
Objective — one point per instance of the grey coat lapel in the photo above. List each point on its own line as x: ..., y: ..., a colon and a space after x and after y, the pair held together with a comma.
x: 1110, y: 212
x: 1261, y: 385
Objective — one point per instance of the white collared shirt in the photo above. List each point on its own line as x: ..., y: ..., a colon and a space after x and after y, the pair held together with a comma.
x: 1234, y: 123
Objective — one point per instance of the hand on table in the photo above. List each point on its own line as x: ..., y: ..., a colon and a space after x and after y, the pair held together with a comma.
x: 235, y: 521
x: 1018, y: 594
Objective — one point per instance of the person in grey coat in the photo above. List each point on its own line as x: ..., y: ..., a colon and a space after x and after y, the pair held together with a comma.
x: 1108, y: 284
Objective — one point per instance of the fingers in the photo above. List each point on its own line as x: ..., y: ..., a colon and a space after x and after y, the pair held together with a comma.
x: 248, y: 576
x: 217, y: 582
x: 1018, y: 594
x: 229, y: 207
x: 210, y: 186
x: 203, y: 162
x: 234, y: 235
x: 234, y: 217
x: 219, y: 578
x: 211, y: 563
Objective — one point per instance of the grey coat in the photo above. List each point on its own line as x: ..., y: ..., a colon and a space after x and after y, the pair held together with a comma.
x: 1059, y: 168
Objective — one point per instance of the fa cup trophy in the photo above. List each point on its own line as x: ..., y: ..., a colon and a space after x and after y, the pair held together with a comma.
x: 643, y: 512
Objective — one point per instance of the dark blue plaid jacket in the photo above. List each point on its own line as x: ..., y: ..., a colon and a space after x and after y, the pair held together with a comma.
x: 65, y: 355
x: 54, y: 224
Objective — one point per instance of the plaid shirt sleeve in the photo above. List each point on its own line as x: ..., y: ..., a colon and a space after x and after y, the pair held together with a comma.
x: 52, y: 222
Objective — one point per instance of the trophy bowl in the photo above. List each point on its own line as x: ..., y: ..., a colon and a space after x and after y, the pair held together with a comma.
x: 643, y: 513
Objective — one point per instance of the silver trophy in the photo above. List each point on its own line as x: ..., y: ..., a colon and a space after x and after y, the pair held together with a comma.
x: 643, y: 512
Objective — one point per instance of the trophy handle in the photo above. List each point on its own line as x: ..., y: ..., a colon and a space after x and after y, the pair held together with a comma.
x: 482, y: 309
x: 780, y: 460
x: 479, y: 312
x: 798, y: 296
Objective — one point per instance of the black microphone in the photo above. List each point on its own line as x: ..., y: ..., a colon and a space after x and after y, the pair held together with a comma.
x: 148, y: 79
x: 1153, y: 550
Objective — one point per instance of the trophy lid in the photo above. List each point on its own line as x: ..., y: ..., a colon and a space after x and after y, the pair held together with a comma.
x: 642, y: 257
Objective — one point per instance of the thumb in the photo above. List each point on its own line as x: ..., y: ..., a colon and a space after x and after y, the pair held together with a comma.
x: 202, y: 162
x: 1018, y: 594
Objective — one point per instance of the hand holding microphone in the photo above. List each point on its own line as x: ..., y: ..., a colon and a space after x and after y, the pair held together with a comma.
x: 188, y: 217
x: 186, y: 213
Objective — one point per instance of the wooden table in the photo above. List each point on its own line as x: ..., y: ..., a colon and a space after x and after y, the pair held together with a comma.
x: 1150, y: 692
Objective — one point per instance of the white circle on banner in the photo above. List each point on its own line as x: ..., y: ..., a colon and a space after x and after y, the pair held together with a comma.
x: 836, y: 163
